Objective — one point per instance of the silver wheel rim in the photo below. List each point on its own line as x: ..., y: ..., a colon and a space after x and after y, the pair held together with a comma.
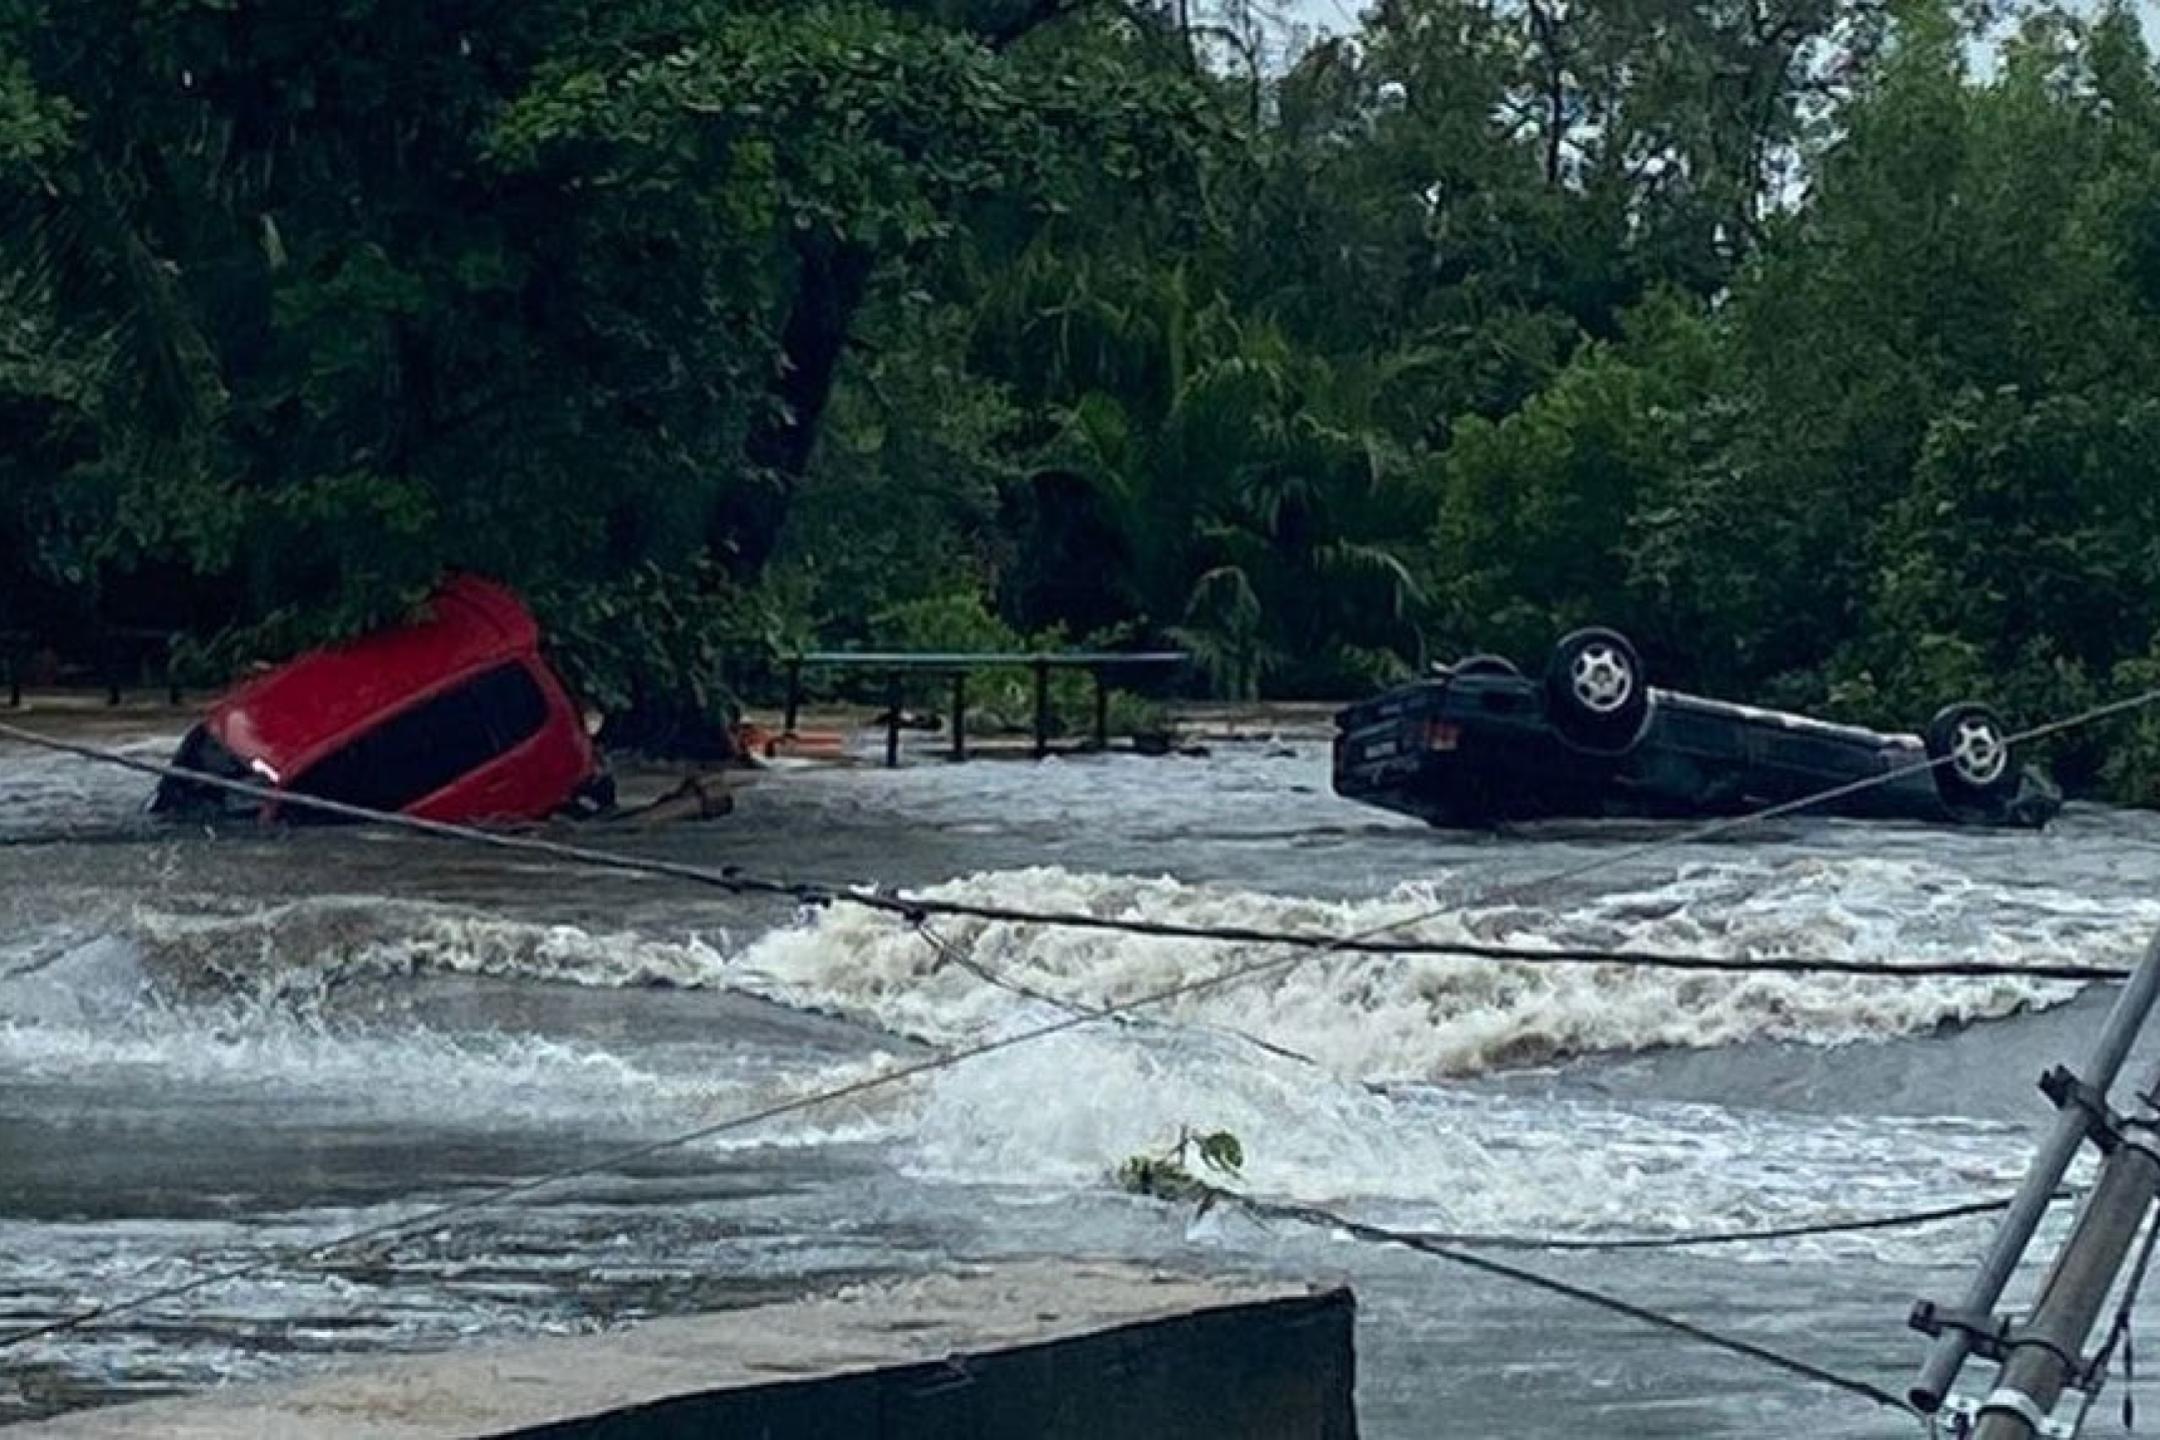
x: 1977, y: 752
x: 1602, y: 678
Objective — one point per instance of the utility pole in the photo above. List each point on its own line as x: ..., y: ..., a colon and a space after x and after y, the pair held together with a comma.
x: 2044, y: 1356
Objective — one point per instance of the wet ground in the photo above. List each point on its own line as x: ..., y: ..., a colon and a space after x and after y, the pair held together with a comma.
x: 211, y: 1047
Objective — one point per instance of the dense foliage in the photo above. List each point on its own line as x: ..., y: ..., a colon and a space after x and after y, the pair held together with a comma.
x: 1811, y: 341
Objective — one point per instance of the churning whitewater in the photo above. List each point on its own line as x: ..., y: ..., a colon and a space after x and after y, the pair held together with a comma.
x: 209, y: 1047
x: 1373, y: 1018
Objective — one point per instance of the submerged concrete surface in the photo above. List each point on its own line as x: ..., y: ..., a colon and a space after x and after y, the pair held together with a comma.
x: 1037, y: 1351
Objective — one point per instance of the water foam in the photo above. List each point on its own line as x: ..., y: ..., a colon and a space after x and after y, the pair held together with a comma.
x: 328, y: 941
x: 1410, y: 1019
x: 1374, y: 1018
x: 1449, y: 1158
x: 237, y: 998
x: 194, y: 1004
x: 50, y: 795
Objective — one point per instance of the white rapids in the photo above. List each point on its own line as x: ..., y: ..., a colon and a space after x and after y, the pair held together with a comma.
x: 210, y: 1048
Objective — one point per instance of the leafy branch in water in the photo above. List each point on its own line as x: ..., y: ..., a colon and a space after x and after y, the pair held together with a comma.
x: 1172, y: 1174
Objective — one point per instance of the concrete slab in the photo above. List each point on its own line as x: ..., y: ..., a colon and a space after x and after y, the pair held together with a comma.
x: 1043, y: 1350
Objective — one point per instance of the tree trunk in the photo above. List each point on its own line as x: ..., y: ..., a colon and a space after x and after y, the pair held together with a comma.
x: 1546, y: 27
x: 832, y: 278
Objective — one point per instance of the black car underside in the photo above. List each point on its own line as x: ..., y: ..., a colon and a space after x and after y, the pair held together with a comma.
x: 1481, y: 743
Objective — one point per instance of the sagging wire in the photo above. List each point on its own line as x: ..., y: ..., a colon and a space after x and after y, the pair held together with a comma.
x: 951, y: 954
x: 392, y: 1231
x: 1703, y: 1239
x: 1370, y: 941
x: 1316, y: 1216
x: 1309, y: 947
x: 2095, y: 1377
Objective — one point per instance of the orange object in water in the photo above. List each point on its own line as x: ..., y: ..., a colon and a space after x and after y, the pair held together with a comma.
x: 757, y: 741
x: 811, y: 745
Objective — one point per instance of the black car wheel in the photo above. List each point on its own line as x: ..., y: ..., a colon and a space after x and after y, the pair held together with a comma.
x: 1972, y: 754
x: 1483, y: 665
x: 1595, y: 691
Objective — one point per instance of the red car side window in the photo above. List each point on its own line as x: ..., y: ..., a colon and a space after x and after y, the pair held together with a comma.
x: 418, y: 751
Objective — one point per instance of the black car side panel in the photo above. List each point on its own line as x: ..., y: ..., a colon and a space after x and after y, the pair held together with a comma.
x: 1473, y: 749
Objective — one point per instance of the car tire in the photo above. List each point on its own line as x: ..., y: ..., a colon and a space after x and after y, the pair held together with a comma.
x: 1972, y: 753
x: 1484, y: 665
x: 1595, y: 692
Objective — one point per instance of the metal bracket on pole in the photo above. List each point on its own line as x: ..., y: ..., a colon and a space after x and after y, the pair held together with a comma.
x: 2016, y: 1402
x: 2103, y: 1126
x: 1991, y: 1337
x: 1987, y: 1336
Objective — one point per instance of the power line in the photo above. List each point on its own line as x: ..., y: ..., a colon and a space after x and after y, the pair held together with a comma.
x: 1073, y: 1019
x: 912, y: 907
x: 1366, y: 944
x: 391, y: 1229
x: 2119, y: 1339
x: 1379, y: 1235
x: 1370, y: 941
x: 434, y: 1215
x: 1702, y: 1239
x: 951, y: 954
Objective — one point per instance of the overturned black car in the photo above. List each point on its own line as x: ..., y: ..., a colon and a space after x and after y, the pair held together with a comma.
x: 1480, y: 743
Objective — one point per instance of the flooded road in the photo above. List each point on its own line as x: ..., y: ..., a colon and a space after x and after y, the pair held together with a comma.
x: 214, y: 1048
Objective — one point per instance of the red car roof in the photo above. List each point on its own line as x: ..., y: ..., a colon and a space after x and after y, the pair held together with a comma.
x: 290, y: 716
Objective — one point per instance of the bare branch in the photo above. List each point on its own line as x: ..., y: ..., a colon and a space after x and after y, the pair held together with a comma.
x: 1547, y: 29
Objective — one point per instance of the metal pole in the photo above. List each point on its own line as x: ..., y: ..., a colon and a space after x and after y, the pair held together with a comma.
x: 2047, y: 1352
x: 959, y: 715
x: 112, y: 669
x: 794, y: 696
x: 1102, y: 710
x: 172, y: 676
x: 2015, y: 1231
x: 892, y: 721
x: 1042, y: 708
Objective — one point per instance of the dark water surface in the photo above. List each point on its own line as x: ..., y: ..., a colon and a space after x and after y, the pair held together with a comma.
x: 212, y: 1048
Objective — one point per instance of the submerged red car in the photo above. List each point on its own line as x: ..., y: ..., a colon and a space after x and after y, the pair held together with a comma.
x: 454, y: 717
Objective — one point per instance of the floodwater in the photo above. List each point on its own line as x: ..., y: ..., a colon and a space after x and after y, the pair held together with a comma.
x: 215, y: 1048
